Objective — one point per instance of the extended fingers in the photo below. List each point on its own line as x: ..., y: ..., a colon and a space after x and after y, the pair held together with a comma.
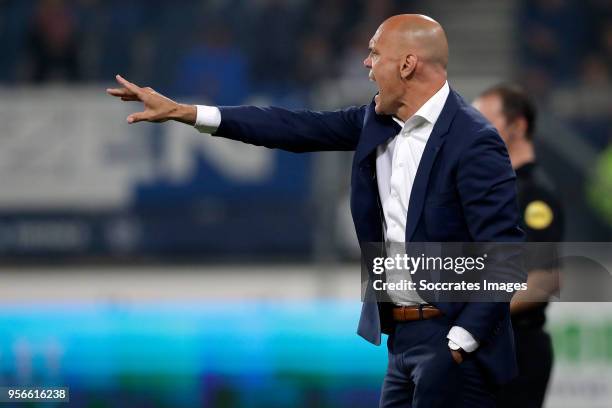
x: 119, y: 92
x: 138, y: 117
x: 156, y: 105
x: 130, y: 86
x: 145, y: 116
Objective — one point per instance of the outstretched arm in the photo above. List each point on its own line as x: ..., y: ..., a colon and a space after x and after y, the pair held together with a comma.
x: 292, y: 130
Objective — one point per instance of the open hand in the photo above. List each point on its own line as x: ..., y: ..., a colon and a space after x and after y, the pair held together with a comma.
x: 157, y: 107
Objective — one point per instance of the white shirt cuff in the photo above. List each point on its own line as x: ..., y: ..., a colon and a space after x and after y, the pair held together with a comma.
x: 208, y: 118
x: 459, y: 337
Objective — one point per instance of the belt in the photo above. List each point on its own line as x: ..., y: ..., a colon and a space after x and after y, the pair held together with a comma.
x: 417, y: 312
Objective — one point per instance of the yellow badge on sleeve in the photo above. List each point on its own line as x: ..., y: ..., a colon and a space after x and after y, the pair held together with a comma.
x: 538, y: 215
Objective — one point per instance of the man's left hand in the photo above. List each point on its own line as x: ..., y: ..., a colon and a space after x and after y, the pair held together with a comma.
x: 457, y: 356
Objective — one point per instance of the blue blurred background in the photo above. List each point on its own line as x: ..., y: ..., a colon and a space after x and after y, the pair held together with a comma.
x: 194, y: 354
x: 152, y: 265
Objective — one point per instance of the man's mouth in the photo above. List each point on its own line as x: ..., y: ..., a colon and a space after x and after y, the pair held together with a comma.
x: 371, y: 78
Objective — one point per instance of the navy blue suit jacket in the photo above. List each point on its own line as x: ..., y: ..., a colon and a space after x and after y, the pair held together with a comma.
x: 464, y: 191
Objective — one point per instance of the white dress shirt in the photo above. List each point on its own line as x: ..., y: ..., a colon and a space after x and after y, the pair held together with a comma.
x: 397, y: 162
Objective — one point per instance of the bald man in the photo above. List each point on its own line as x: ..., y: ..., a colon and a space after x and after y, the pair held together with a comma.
x: 427, y: 168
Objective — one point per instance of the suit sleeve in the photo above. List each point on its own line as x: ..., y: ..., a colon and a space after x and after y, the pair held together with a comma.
x: 486, y: 185
x: 293, y: 130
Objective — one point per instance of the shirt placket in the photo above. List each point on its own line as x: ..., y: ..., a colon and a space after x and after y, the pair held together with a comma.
x: 398, y: 187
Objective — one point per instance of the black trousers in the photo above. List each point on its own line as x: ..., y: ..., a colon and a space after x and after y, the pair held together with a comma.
x: 423, y: 374
x: 534, y: 354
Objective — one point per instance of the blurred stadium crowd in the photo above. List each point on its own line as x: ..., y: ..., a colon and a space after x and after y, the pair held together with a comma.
x: 226, y: 50
x: 221, y: 50
x: 566, y: 50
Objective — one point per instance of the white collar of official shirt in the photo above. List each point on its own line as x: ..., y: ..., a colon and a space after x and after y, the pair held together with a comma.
x: 429, y: 112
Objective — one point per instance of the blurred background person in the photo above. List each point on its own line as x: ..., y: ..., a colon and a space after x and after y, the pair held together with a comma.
x: 513, y: 114
x: 53, y: 42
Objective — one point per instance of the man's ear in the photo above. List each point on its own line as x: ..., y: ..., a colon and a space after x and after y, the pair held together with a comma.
x: 408, y: 66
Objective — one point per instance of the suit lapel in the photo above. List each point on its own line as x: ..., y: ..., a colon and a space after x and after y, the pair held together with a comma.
x: 380, y: 128
x: 434, y: 143
x: 377, y: 130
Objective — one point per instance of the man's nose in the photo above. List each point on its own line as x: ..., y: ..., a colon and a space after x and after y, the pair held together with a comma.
x: 367, y: 62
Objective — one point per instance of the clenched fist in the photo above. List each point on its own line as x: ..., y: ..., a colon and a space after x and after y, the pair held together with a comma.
x: 157, y: 107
